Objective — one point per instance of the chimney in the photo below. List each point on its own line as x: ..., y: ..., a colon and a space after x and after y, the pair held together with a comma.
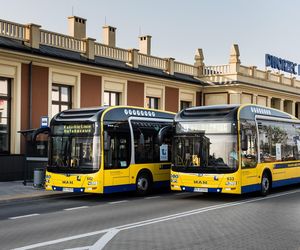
x: 145, y: 45
x: 77, y: 27
x: 109, y: 36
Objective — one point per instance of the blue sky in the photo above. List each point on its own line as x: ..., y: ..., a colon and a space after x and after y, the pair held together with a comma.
x: 177, y: 27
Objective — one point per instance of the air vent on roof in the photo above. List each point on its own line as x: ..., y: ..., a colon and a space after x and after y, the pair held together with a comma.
x: 78, y: 114
x: 212, y: 111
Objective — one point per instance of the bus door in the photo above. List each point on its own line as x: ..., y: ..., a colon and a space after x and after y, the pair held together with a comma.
x: 249, y: 156
x: 151, y: 151
x: 117, y: 153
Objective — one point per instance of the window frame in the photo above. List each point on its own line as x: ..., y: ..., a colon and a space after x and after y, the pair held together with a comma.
x: 185, y: 102
x: 118, y: 98
x: 61, y: 103
x: 7, y: 98
x: 156, y: 103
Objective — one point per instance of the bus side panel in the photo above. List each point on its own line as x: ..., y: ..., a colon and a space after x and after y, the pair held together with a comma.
x: 250, y: 179
x: 117, y: 180
x: 283, y: 173
x: 122, y: 180
x: 286, y: 173
x: 160, y: 173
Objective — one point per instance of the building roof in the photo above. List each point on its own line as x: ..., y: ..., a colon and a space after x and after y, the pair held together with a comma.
x: 72, y: 56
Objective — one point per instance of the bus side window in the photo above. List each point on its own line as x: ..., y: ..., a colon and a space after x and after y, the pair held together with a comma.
x: 146, y: 143
x: 278, y: 141
x: 296, y: 140
x: 143, y: 142
x: 118, y: 153
x: 249, y: 155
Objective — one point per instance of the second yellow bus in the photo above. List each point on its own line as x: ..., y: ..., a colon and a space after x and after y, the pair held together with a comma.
x: 235, y: 149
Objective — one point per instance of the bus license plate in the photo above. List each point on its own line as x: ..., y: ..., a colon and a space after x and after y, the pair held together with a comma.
x: 201, y: 190
x: 68, y: 190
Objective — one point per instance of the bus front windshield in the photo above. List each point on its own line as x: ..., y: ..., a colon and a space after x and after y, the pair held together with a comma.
x: 205, y: 147
x: 74, y: 149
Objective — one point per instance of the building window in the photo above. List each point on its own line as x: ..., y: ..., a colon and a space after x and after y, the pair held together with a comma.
x: 61, y: 98
x: 185, y: 104
x: 4, y: 116
x: 152, y: 102
x: 111, y: 98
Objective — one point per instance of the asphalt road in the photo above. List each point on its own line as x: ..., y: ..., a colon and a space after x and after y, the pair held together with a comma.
x: 160, y: 221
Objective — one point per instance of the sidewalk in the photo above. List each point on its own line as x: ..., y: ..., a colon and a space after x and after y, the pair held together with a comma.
x: 15, y: 190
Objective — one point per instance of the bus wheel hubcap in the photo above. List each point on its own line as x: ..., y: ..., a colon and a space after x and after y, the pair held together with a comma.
x: 143, y: 184
x: 265, y: 183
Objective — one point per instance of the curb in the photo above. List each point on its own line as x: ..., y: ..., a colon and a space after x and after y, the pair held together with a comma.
x: 34, y: 196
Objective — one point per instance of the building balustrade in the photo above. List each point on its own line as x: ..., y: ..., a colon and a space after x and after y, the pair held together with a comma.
x: 211, y: 72
x: 152, y: 61
x: 62, y: 41
x: 216, y: 70
x: 185, y: 68
x: 33, y: 36
x: 13, y: 30
x: 111, y: 52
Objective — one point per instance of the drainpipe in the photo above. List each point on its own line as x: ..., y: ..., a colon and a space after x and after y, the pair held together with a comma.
x: 30, y: 95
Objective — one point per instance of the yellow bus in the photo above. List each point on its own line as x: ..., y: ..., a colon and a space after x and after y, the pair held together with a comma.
x: 109, y: 149
x: 235, y: 149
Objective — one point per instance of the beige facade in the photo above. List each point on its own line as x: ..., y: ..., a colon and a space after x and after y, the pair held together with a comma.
x: 93, y: 71
x: 44, y: 72
x: 247, y: 84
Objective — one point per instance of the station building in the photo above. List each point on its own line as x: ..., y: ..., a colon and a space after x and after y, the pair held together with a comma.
x: 44, y: 72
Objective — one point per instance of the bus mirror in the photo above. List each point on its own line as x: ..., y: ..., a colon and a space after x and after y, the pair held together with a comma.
x: 162, y: 133
x: 244, y: 141
x: 106, y: 139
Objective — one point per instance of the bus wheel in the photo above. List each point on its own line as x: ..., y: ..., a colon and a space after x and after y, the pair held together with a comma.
x: 265, y: 184
x: 143, y: 184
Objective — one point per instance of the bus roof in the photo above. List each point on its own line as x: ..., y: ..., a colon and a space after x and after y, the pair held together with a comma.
x: 114, y: 113
x: 230, y: 112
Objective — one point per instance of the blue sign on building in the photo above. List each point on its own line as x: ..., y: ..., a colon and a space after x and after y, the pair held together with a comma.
x: 282, y: 64
x: 44, y: 121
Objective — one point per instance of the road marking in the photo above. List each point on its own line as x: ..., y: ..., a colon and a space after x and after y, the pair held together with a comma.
x: 152, y: 197
x: 104, y: 239
x: 101, y: 242
x: 75, y: 208
x: 23, y: 216
x: 117, y: 202
x: 78, y: 248
x: 155, y: 220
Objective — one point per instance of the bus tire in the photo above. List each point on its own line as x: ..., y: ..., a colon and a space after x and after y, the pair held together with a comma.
x: 265, y: 184
x: 143, y: 183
